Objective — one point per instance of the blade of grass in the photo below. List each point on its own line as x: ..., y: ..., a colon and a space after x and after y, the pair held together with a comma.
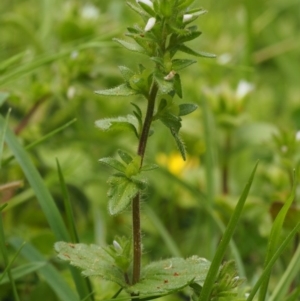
x: 45, y: 200
x: 3, y: 97
x: 47, y: 136
x: 272, y: 261
x: 5, y: 257
x: 48, y: 272
x: 216, y: 262
x: 274, y: 240
x: 202, y: 202
x: 170, y: 243
x: 22, y: 271
x: 2, y: 136
x: 294, y: 295
x: 287, y: 278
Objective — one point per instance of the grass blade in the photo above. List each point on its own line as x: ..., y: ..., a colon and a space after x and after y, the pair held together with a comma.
x: 216, y: 262
x: 49, y: 273
x: 2, y: 135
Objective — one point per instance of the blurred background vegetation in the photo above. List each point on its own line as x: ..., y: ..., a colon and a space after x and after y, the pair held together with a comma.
x: 54, y: 54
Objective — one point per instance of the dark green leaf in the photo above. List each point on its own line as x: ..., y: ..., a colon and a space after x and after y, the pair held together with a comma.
x: 171, y: 121
x: 188, y: 50
x: 125, y: 156
x: 179, y: 143
x: 177, y: 85
x: 187, y: 108
x: 147, y: 9
x: 92, y: 260
x: 122, y: 90
x: 113, y: 163
x: 164, y: 86
x: 170, y: 275
x: 179, y: 64
x: 191, y: 35
x: 120, y: 193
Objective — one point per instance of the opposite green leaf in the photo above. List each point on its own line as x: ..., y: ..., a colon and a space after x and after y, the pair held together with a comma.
x: 187, y: 108
x: 93, y: 260
x: 170, y: 275
x: 120, y: 193
x: 122, y: 90
x: 113, y: 163
x: 188, y: 50
x: 130, y: 46
x: 179, y: 64
x: 125, y: 156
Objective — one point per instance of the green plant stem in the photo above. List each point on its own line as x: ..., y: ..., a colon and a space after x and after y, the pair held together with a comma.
x: 136, y: 215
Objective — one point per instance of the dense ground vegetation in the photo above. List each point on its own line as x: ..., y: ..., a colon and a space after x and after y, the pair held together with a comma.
x: 54, y: 54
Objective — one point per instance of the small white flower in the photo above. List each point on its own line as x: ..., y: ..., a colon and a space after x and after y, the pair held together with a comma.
x: 187, y: 17
x: 150, y: 24
x: 170, y: 75
x: 298, y: 136
x: 90, y: 11
x: 147, y: 2
x: 243, y: 89
x: 224, y: 58
x: 117, y: 246
x: 71, y: 92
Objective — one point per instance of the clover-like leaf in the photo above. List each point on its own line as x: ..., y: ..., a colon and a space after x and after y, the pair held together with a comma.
x: 129, y: 122
x: 121, y: 90
x: 122, y: 190
x: 170, y: 275
x: 113, y: 163
x: 93, y: 260
x: 187, y: 108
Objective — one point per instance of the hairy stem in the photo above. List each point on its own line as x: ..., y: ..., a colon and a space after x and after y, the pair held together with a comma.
x: 136, y: 218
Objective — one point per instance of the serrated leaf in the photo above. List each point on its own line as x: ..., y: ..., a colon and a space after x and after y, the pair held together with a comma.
x: 164, y: 86
x: 125, y: 156
x: 179, y: 142
x: 187, y: 108
x: 120, y: 193
x: 122, y: 90
x: 188, y: 50
x: 148, y: 167
x: 129, y: 122
x: 170, y: 275
x: 179, y: 64
x: 113, y: 163
x: 92, y: 259
x: 126, y: 73
x: 130, y: 46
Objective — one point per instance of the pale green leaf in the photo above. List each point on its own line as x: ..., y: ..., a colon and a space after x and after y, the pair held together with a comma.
x: 170, y: 275
x: 120, y: 193
x: 113, y: 163
x: 93, y: 260
x: 121, y: 90
x: 3, y: 97
x: 187, y: 108
x: 164, y: 86
x: 125, y: 156
x: 148, y: 167
x: 126, y: 73
x: 130, y: 46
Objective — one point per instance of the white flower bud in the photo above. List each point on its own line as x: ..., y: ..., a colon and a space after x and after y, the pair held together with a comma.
x: 187, y: 17
x: 243, y: 89
x: 298, y: 136
x: 117, y: 246
x: 147, y: 2
x: 150, y: 24
x: 170, y: 75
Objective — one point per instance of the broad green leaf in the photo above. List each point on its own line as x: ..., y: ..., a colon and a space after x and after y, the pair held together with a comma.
x: 125, y: 156
x: 122, y: 190
x: 187, y: 108
x: 170, y: 275
x: 130, y: 46
x: 122, y: 90
x: 129, y: 122
x: 126, y: 73
x: 93, y: 260
x: 113, y: 163
x: 188, y: 50
x: 179, y: 142
x: 171, y: 121
x: 23, y: 270
x: 179, y: 64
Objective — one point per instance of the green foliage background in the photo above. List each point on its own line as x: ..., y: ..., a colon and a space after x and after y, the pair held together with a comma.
x: 54, y: 54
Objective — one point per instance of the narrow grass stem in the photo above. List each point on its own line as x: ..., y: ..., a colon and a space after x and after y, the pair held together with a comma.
x: 136, y: 218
